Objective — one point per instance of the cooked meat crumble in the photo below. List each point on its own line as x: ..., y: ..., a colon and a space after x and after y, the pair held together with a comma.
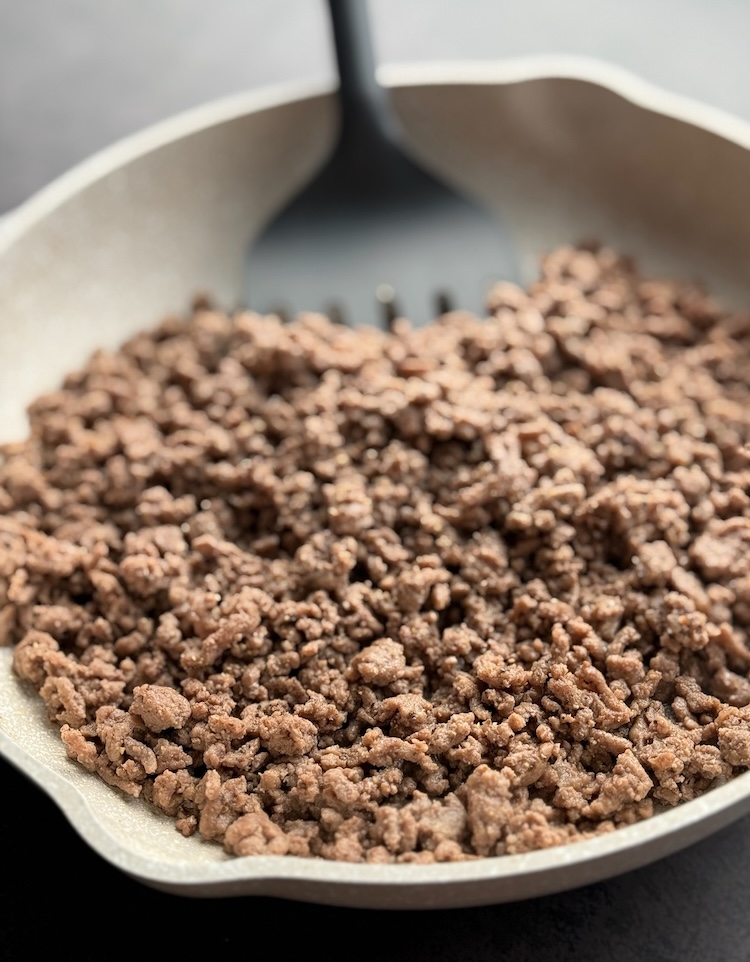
x: 413, y: 596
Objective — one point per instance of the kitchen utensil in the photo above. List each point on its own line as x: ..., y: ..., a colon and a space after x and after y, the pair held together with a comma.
x: 374, y: 235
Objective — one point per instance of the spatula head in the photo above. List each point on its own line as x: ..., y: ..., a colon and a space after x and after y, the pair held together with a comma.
x: 411, y: 247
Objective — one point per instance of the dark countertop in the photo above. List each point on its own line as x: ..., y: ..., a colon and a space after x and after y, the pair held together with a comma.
x: 76, y: 76
x: 691, y: 907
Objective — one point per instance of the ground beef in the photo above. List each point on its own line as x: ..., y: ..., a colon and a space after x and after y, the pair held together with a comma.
x: 404, y: 596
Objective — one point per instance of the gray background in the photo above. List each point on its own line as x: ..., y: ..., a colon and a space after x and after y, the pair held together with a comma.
x: 75, y: 75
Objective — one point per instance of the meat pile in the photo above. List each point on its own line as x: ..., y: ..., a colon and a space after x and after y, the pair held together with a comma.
x: 407, y: 596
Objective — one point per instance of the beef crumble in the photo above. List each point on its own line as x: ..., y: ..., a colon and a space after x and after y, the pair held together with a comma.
x: 408, y: 596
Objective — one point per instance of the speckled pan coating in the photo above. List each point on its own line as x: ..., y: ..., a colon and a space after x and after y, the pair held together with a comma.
x: 561, y: 149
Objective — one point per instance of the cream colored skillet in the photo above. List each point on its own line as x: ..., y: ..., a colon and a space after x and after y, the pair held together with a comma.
x: 560, y: 149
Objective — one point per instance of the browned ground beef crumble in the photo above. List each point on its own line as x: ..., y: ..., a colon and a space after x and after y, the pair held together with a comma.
x: 416, y: 596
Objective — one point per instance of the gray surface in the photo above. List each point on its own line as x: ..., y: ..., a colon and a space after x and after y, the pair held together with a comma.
x: 695, y: 47
x: 77, y: 74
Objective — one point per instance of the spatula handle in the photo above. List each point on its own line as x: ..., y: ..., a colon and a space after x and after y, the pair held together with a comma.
x: 362, y: 100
